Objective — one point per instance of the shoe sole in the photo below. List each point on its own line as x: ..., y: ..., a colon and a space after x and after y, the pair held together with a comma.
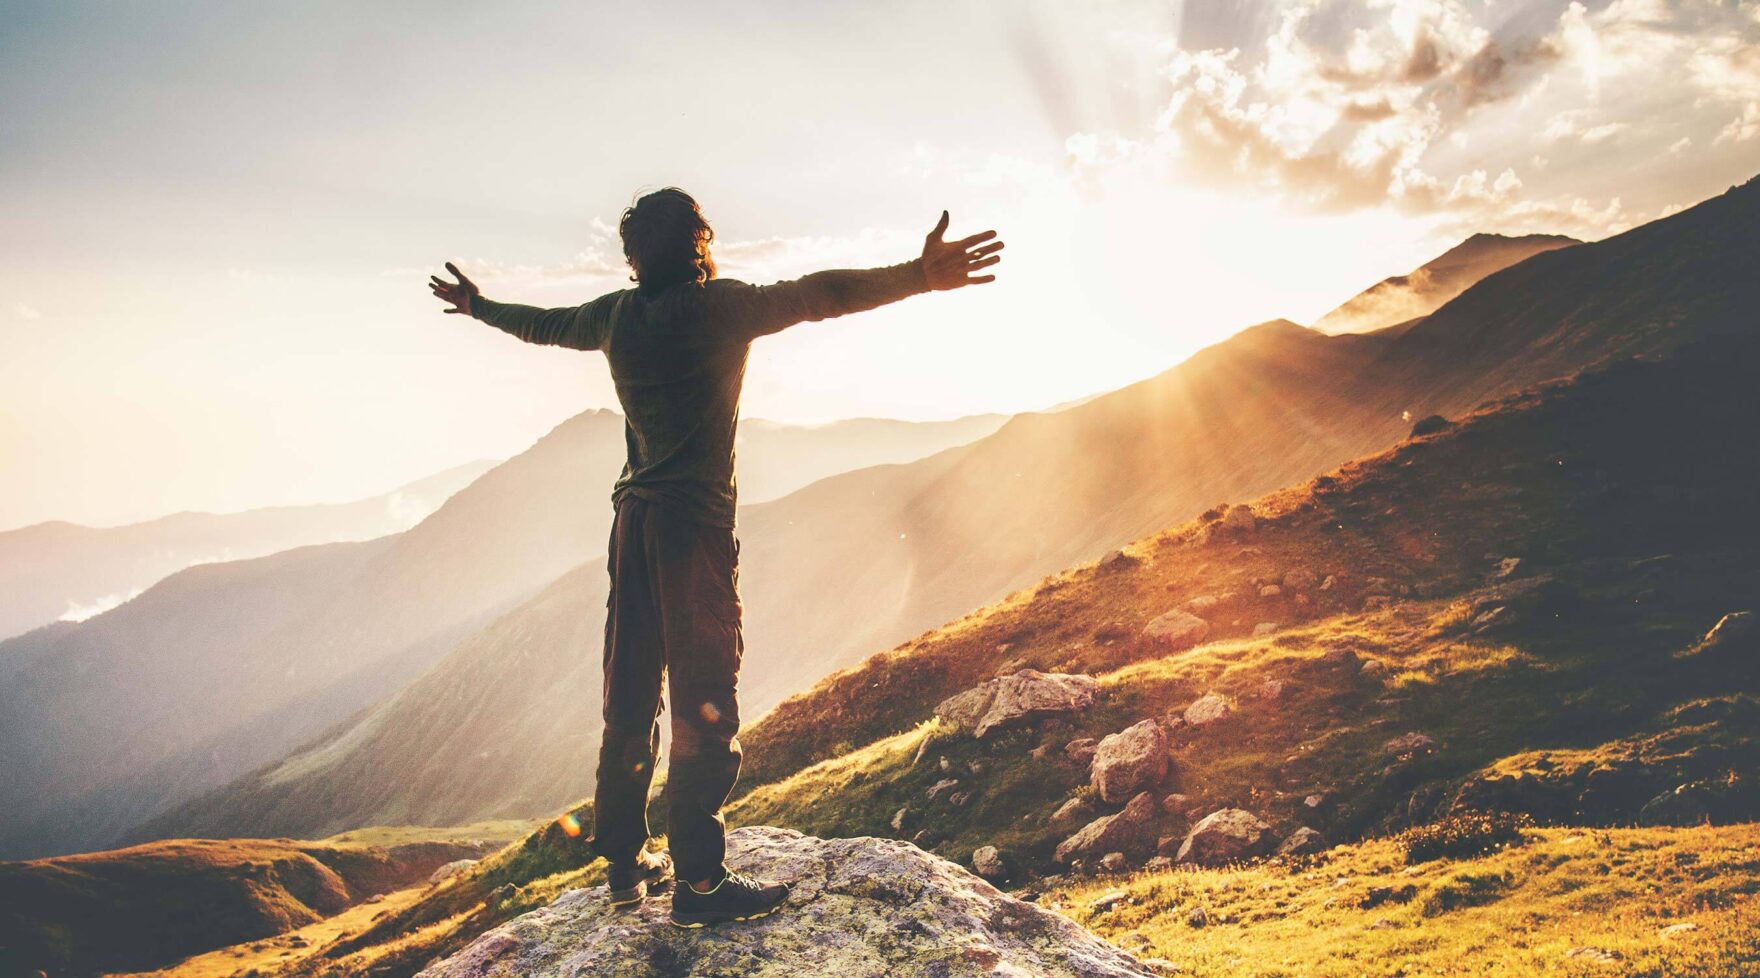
x: 641, y: 891
x: 713, y: 920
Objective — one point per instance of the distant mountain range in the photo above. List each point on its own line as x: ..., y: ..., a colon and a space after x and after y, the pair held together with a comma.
x: 223, y: 667
x: 1422, y: 291
x: 864, y: 560
x: 64, y: 571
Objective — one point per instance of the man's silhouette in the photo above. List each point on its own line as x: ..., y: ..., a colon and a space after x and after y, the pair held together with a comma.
x: 677, y: 346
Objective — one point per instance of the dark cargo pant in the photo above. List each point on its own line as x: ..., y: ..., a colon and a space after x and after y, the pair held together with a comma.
x: 674, y: 612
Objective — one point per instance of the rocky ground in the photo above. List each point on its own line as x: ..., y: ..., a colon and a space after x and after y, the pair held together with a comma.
x: 861, y: 908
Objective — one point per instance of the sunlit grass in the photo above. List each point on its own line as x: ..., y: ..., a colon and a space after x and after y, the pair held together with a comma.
x: 1569, y: 902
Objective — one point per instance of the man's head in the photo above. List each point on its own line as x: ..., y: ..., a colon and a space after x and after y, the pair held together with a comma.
x: 666, y: 240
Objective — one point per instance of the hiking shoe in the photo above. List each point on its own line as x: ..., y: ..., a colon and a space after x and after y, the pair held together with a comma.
x: 735, y: 898
x: 632, y: 881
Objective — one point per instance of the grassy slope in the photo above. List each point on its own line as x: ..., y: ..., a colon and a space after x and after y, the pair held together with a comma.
x: 152, y: 904
x: 1565, y: 902
x: 1588, y: 476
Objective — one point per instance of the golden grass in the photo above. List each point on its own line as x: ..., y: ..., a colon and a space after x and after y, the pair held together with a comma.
x: 1674, y: 902
x: 287, y: 949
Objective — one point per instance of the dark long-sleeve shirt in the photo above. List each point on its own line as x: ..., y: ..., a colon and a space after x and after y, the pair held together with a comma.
x: 678, y: 359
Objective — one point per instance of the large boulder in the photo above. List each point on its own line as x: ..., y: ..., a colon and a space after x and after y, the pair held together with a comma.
x: 861, y: 908
x: 1011, y: 701
x: 1176, y: 630
x: 1226, y: 836
x: 1240, y: 518
x: 987, y: 862
x: 1131, y: 830
x: 1129, y: 761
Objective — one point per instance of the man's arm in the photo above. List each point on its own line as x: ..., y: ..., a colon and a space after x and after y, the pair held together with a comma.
x: 576, y: 327
x: 761, y: 310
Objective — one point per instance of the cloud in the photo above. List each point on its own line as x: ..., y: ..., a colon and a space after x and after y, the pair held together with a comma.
x: 80, y: 611
x: 23, y: 311
x: 1742, y: 128
x: 1406, y: 104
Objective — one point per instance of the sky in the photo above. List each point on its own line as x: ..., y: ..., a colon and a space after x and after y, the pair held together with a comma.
x: 219, y: 216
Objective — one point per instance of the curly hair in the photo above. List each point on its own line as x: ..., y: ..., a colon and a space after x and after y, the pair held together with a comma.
x: 666, y: 240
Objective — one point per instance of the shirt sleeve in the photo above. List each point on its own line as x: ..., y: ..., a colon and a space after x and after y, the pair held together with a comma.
x: 759, y: 310
x: 576, y: 327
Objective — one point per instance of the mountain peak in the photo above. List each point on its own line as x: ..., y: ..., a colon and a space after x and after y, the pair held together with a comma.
x: 1426, y: 288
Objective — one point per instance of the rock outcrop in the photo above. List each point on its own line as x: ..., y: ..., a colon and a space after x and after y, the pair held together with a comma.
x: 1016, y: 700
x: 861, y: 908
x: 1129, y: 761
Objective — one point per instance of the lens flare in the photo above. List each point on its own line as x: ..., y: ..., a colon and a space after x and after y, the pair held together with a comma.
x: 571, y: 826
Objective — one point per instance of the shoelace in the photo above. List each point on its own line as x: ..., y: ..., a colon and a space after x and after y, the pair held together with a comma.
x: 738, y: 881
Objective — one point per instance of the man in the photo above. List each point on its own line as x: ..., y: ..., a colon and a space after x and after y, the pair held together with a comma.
x: 677, y: 346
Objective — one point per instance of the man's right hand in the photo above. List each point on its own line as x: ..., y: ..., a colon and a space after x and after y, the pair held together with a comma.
x: 458, y: 293
x: 951, y: 264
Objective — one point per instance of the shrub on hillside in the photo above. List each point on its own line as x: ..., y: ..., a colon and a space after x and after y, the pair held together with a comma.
x: 1464, y: 835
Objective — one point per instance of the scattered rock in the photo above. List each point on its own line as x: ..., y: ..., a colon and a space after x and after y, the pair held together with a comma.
x: 1376, y: 602
x: 1116, y: 561
x: 1106, y: 901
x: 1430, y: 425
x: 941, y: 787
x: 1314, y: 802
x: 1176, y: 630
x: 1158, y: 864
x: 1682, y: 928
x: 1112, y: 862
x: 1130, y: 830
x: 958, y: 799
x: 1373, y: 669
x: 1330, y: 582
x: 1203, y: 604
x: 1068, y: 810
x: 937, y: 917
x: 1593, y: 955
x: 450, y: 870
x: 987, y: 862
x: 1507, y: 566
x: 1011, y: 701
x: 1226, y: 836
x: 1270, y: 591
x: 1129, y: 761
x: 1175, y: 804
x: 1208, y: 709
x: 1197, y: 917
x: 1407, y: 745
x: 1081, y: 751
x: 1302, y: 842
x: 1300, y: 579
x: 1264, y: 628
x: 1339, y: 657
x: 1271, y: 689
x: 898, y: 819
x: 1240, y: 519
